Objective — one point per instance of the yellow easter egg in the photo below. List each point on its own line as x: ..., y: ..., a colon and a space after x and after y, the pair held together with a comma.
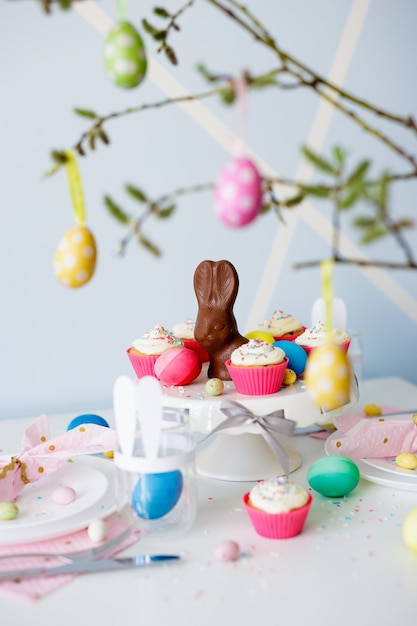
x: 327, y: 376
x: 260, y: 334
x: 75, y: 257
x: 409, y: 530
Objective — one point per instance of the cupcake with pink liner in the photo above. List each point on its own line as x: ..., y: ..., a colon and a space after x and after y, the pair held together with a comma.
x: 282, y: 326
x: 257, y: 368
x: 145, y: 351
x: 320, y: 334
x: 277, y: 507
x: 185, y: 332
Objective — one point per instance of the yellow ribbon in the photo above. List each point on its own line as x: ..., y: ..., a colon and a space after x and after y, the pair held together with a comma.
x: 327, y: 290
x: 76, y: 189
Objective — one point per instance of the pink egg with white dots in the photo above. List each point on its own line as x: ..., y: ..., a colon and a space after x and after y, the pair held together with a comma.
x: 238, y: 193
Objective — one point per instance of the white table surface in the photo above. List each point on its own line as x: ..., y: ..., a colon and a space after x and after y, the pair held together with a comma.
x: 349, y: 566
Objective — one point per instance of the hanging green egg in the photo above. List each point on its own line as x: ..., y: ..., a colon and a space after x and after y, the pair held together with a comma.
x: 124, y: 56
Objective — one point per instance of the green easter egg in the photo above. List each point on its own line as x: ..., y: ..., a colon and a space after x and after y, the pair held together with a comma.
x: 333, y: 476
x: 124, y: 56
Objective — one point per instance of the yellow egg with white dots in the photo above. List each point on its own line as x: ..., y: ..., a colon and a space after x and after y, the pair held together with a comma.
x: 327, y: 376
x: 75, y: 257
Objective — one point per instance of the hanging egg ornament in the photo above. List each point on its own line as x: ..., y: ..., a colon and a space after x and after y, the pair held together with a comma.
x: 327, y: 376
x: 238, y: 193
x: 75, y: 257
x: 124, y: 56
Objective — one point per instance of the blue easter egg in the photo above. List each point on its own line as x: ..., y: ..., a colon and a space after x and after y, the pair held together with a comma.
x: 87, y: 418
x: 155, y: 495
x: 297, y: 356
x: 333, y: 476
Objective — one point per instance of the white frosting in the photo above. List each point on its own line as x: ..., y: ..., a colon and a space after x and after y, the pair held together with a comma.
x: 319, y: 334
x: 280, y: 323
x: 277, y: 495
x: 258, y: 353
x: 184, y: 330
x: 156, y: 341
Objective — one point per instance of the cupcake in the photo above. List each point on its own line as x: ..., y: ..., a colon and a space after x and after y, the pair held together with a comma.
x: 185, y: 332
x: 282, y: 326
x: 277, y: 507
x: 145, y: 351
x: 257, y: 368
x: 319, y: 334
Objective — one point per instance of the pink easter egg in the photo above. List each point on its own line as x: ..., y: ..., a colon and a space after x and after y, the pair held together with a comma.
x: 238, y: 193
x: 177, y: 366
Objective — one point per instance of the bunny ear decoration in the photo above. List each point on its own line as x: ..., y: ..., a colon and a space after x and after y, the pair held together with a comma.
x: 338, y: 315
x: 149, y: 399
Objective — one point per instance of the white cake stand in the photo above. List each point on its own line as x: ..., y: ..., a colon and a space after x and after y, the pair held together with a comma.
x: 241, y: 453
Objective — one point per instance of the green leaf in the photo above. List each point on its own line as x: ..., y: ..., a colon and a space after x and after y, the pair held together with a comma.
x: 116, y: 211
x: 149, y: 28
x: 161, y: 12
x: 146, y: 243
x: 170, y: 54
x: 227, y: 94
x: 320, y: 191
x: 294, y: 201
x: 372, y: 234
x: 339, y: 155
x: 160, y: 35
x: 86, y: 113
x: 136, y: 193
x: 205, y: 73
x: 351, y: 198
x: 319, y: 162
x: 59, y: 157
x: 358, y: 173
x: 164, y: 212
x: 363, y: 221
x: 266, y: 80
x: 103, y: 136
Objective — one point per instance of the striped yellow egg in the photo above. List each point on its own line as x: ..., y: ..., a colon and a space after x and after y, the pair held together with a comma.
x: 75, y: 257
x: 327, y: 376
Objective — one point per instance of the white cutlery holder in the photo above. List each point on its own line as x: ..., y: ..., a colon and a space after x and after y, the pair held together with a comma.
x: 158, y: 495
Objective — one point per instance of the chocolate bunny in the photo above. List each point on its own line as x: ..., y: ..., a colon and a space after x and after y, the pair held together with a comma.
x: 216, y: 284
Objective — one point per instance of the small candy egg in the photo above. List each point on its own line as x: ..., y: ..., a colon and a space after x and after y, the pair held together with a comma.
x: 409, y: 530
x: 177, y: 366
x: 97, y: 530
x: 63, y: 495
x: 406, y: 460
x: 238, y: 193
x: 75, y: 257
x: 87, y: 418
x: 227, y: 551
x: 297, y: 357
x: 372, y: 410
x: 260, y: 334
x: 125, y: 57
x: 327, y: 376
x: 289, y: 377
x: 333, y: 476
x: 8, y: 511
x: 155, y: 495
x: 214, y: 387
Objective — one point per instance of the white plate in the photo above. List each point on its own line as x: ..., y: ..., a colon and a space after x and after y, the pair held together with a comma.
x: 377, y: 475
x: 40, y: 518
x: 388, y: 464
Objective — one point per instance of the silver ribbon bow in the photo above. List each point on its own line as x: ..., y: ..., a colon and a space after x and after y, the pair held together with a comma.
x: 269, y: 426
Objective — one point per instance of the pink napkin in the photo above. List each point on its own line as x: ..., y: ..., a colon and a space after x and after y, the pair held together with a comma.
x: 361, y: 437
x: 40, y: 455
x: 35, y: 588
